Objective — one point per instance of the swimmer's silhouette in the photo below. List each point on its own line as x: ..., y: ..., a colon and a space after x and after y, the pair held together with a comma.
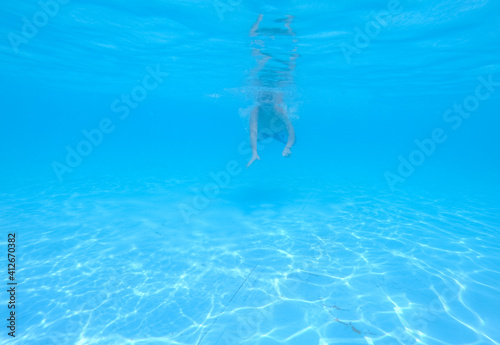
x: 269, y: 118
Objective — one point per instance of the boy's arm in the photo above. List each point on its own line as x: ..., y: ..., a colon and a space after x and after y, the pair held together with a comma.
x: 253, y: 135
x: 254, y: 129
x: 289, y: 127
x: 290, y: 130
x: 291, y: 133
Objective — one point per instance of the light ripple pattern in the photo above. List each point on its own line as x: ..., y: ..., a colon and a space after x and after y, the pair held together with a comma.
x: 117, y: 265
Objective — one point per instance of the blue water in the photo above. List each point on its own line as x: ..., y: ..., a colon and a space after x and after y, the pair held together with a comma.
x: 124, y: 140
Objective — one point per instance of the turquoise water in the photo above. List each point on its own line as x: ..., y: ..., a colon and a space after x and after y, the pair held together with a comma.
x: 125, y: 137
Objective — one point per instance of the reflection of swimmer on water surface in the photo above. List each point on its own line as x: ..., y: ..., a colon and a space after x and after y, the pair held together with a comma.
x: 269, y: 119
x: 275, y: 50
x: 255, y: 30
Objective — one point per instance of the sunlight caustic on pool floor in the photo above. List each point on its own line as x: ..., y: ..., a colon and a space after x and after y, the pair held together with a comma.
x: 349, y: 267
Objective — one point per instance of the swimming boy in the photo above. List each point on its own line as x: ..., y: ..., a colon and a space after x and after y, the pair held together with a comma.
x: 270, y: 120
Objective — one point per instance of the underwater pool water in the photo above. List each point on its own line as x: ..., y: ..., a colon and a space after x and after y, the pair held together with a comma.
x: 125, y: 138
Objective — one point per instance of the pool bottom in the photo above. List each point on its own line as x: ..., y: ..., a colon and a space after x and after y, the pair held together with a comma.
x: 331, y: 265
